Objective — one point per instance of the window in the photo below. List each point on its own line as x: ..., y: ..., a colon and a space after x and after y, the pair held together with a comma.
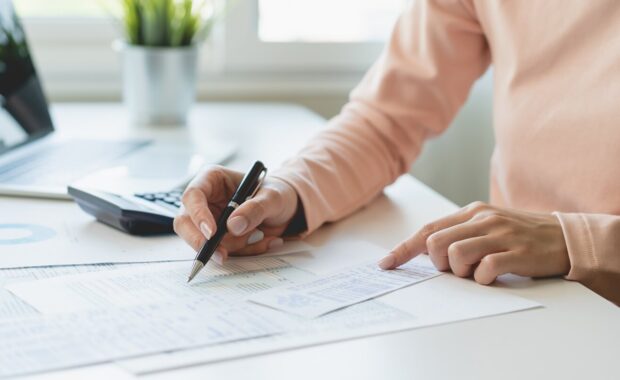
x: 261, y: 45
x: 60, y: 8
x: 308, y: 35
x: 340, y: 21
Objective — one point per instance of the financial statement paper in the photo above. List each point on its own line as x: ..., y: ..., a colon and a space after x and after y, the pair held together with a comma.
x: 219, y: 288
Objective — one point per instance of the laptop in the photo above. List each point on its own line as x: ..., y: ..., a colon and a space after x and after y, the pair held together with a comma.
x: 35, y: 162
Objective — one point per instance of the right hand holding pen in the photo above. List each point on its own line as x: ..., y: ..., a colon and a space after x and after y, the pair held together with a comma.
x: 253, y: 228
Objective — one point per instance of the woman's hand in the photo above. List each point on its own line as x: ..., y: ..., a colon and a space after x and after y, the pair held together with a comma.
x: 253, y: 228
x: 487, y: 241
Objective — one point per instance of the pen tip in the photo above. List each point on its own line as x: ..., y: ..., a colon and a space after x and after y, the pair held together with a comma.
x: 195, y: 269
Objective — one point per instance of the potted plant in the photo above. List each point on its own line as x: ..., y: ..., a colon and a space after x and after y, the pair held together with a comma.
x: 160, y: 56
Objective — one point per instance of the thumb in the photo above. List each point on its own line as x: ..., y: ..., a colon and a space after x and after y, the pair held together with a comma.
x: 267, y: 203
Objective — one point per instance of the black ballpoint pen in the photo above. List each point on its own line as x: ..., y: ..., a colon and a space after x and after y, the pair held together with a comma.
x: 247, y: 188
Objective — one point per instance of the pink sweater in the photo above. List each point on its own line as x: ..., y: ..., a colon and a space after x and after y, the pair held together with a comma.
x: 556, y: 116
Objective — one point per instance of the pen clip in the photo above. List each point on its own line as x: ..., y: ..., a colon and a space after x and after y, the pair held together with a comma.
x: 261, y: 179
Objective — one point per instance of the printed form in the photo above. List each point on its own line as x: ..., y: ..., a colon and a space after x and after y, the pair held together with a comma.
x: 12, y: 307
x: 125, y: 314
x: 220, y: 285
x: 336, y: 291
x: 45, y: 343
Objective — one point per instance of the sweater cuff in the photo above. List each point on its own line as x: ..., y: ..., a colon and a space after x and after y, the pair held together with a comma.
x: 580, y: 245
x: 305, y: 192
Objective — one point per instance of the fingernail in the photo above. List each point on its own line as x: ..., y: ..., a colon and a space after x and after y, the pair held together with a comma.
x: 275, y: 243
x: 237, y: 225
x: 255, y: 237
x: 387, y: 262
x: 206, y: 231
x: 218, y: 257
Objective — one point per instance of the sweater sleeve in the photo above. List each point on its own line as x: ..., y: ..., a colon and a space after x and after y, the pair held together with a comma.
x: 593, y: 242
x: 412, y: 92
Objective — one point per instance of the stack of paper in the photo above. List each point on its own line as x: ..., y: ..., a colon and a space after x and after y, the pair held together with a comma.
x: 44, y: 343
x: 266, y: 302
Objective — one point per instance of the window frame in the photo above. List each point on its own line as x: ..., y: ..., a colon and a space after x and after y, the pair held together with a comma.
x: 76, y: 59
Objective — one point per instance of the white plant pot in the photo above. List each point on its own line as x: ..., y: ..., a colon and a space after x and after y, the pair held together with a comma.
x: 159, y: 83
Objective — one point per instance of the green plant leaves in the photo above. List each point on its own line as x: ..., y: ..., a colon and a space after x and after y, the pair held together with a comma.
x: 165, y: 23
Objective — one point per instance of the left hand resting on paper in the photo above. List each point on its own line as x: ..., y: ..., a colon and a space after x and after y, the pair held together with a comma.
x: 487, y: 241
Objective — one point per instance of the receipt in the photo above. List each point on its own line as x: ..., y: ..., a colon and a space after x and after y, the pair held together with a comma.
x: 335, y: 291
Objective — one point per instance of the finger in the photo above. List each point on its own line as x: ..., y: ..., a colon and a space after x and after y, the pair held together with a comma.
x: 234, y: 243
x: 220, y: 255
x: 185, y: 228
x: 463, y: 255
x: 266, y: 203
x: 438, y: 243
x: 496, y: 264
x: 268, y: 243
x: 415, y: 245
x: 255, y: 236
x: 215, y: 183
x: 197, y: 207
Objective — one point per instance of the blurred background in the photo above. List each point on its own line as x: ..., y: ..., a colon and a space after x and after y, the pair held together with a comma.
x: 310, y: 52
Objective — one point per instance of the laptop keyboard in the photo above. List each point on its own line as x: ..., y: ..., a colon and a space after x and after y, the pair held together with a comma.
x: 65, y: 162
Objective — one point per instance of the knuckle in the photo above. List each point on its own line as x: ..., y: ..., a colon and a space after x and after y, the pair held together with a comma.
x: 494, y: 217
x: 188, y: 194
x: 490, y: 263
x: 178, y: 222
x: 433, y: 243
x: 428, y: 229
x: 455, y: 251
x: 477, y: 206
x: 256, y: 209
x: 271, y: 193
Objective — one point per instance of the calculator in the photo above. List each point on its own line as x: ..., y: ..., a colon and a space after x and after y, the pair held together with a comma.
x: 141, y: 214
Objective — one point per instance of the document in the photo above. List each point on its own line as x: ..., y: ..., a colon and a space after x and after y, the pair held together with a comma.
x: 41, y: 233
x: 364, y: 319
x: 344, y: 288
x: 45, y: 343
x: 13, y: 307
x: 106, y: 296
x: 444, y: 299
x: 220, y: 285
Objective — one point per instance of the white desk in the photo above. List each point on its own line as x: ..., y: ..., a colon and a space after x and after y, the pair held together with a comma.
x: 575, y: 336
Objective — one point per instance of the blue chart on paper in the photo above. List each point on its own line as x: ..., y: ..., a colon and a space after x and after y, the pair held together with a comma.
x: 13, y: 234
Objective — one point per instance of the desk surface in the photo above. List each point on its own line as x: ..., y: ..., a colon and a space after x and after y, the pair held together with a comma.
x: 575, y: 336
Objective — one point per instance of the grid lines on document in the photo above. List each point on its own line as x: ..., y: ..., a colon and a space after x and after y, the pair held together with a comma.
x: 51, y: 342
x: 221, y: 285
x: 362, y: 281
x: 13, y: 307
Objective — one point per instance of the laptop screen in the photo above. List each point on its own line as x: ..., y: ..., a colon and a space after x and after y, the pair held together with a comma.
x: 24, y: 113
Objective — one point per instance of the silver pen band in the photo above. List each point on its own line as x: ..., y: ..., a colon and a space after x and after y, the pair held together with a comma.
x: 233, y: 204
